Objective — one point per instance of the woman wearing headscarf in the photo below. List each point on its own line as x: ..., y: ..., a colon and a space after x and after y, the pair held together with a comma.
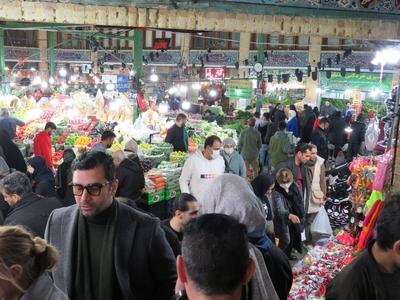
x: 264, y: 188
x: 131, y: 150
x: 293, y: 123
x: 11, y: 153
x: 290, y: 191
x: 42, y: 177
x: 232, y: 195
x: 234, y: 162
x: 64, y: 177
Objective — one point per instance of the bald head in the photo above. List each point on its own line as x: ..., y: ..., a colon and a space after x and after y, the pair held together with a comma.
x: 118, y: 157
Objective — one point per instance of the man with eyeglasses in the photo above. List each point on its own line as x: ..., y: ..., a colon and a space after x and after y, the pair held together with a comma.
x: 109, y: 250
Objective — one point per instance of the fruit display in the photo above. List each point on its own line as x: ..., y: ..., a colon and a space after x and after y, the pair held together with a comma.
x: 155, y: 159
x: 83, y: 141
x: 146, y: 148
x: 57, y: 156
x: 206, y: 129
x: 178, y: 157
x: 71, y: 139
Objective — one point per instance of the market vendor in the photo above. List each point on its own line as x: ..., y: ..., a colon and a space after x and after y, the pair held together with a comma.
x: 375, y: 273
x: 177, y: 135
x: 9, y: 123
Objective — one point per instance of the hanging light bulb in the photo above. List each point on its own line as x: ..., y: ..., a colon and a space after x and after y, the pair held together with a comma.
x: 110, y: 86
x: 213, y: 93
x: 63, y: 72
x: 37, y: 80
x: 196, y: 86
x: 183, y: 89
x: 186, y: 105
x: 154, y: 77
x: 12, y: 84
x: 44, y: 85
x: 172, y: 90
x: 51, y: 80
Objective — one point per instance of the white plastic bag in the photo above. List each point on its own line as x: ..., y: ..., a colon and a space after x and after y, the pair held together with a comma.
x: 321, y: 223
x: 372, y: 135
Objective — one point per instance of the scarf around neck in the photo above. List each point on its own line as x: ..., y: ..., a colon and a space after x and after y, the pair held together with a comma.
x: 84, y: 276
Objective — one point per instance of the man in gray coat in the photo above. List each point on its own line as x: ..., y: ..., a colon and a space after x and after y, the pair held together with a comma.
x: 249, y: 146
x: 109, y: 250
x: 301, y: 174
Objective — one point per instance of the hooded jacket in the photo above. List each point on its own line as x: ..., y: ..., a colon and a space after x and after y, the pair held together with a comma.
x: 12, y: 154
x: 233, y: 196
x: 320, y: 139
x: 249, y: 144
x: 198, y: 172
x: 281, y: 145
x: 336, y: 134
x: 43, y: 177
x: 42, y: 147
x: 130, y: 180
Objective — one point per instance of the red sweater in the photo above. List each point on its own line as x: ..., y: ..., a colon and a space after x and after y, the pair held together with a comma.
x: 42, y: 147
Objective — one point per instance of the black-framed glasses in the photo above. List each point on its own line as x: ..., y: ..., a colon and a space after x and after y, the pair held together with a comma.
x: 93, y: 189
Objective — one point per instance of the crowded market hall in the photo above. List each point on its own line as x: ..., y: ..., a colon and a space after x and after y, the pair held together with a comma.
x: 221, y: 150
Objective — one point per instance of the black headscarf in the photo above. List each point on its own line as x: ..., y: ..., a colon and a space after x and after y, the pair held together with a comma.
x: 260, y: 186
x: 12, y: 154
x: 41, y: 172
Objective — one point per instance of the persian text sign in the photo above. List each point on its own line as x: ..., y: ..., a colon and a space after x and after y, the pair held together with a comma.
x: 215, y: 73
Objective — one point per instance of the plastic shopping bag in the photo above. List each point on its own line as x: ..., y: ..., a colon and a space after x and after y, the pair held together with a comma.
x: 321, y: 223
x: 372, y: 135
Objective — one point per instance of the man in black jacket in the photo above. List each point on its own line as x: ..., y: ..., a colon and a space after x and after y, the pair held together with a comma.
x: 177, y: 135
x: 375, y: 273
x: 109, y: 250
x: 129, y: 175
x: 320, y: 139
x: 27, y: 209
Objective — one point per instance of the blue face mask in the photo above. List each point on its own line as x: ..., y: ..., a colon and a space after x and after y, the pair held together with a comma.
x: 216, y: 154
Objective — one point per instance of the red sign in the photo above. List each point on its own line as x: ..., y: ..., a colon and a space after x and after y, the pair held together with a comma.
x: 161, y: 44
x: 215, y: 73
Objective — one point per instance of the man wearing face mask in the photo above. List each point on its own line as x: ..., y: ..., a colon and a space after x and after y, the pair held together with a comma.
x: 201, y: 167
x: 107, y: 139
x: 234, y: 162
x: 249, y: 146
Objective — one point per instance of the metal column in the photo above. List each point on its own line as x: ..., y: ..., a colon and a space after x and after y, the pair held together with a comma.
x: 260, y: 54
x: 2, y: 62
x: 138, y: 54
x: 51, y: 54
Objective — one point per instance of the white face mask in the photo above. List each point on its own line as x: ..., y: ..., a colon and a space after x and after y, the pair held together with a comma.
x: 285, y: 186
x: 216, y: 154
x: 228, y: 151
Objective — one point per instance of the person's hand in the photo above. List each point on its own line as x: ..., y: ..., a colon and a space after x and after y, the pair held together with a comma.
x: 294, y: 219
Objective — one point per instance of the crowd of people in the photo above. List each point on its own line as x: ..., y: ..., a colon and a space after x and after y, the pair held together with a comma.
x: 244, y: 213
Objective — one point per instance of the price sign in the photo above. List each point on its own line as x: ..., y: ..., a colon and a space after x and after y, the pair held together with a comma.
x: 215, y: 73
